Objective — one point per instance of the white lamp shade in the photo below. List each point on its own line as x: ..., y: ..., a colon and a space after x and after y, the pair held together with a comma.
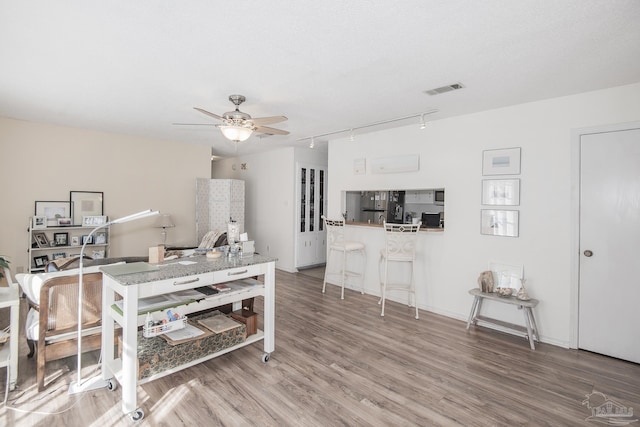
x: 164, y: 221
x: 236, y: 133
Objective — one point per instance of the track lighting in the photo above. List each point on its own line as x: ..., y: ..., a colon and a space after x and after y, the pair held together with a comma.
x: 351, y: 130
x: 312, y: 143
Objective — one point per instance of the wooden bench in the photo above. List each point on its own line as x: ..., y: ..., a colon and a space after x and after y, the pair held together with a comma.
x: 531, y: 329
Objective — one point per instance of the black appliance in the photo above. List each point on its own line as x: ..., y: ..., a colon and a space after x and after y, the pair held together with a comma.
x: 431, y: 220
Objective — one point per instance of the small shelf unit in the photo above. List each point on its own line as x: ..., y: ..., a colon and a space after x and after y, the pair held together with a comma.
x: 42, y: 250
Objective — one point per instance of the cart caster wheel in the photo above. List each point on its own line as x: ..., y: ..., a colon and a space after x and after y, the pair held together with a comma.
x: 137, y: 415
x: 265, y: 358
x: 112, y: 385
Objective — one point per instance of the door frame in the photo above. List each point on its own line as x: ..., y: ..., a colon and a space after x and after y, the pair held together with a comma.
x: 576, y: 135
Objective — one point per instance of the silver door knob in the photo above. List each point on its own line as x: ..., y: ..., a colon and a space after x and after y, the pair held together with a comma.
x: 588, y: 253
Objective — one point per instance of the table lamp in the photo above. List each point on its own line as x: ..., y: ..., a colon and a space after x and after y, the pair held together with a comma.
x: 164, y: 221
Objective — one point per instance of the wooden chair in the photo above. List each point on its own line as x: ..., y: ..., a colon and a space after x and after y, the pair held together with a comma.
x: 58, y: 319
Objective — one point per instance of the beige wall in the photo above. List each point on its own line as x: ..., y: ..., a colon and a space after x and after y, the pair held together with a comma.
x: 46, y: 162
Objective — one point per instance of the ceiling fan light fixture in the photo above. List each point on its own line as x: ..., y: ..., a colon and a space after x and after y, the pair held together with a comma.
x: 236, y: 133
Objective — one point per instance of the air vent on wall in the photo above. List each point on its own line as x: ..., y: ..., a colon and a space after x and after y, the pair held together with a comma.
x: 444, y: 89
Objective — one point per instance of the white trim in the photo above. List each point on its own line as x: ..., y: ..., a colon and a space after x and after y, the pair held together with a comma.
x: 574, y: 257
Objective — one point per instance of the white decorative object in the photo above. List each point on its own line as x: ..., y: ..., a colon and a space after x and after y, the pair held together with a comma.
x: 359, y: 166
x: 217, y: 200
x: 522, y: 292
x: 398, y: 164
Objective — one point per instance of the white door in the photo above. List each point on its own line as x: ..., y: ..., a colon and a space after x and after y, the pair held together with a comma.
x: 609, y: 321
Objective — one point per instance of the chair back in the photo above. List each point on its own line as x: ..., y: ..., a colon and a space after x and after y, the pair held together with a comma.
x: 60, y: 296
x: 335, y: 231
x: 400, y: 241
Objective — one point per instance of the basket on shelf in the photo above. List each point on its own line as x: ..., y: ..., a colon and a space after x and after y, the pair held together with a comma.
x: 163, y: 328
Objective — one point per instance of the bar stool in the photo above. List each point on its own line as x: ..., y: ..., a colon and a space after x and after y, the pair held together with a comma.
x: 400, y: 246
x: 336, y: 243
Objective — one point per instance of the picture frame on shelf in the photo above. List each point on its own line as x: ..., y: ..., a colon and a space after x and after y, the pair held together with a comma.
x: 61, y: 239
x: 504, y: 161
x: 504, y: 192
x: 100, y: 238
x: 99, y: 254
x: 500, y: 222
x: 41, y: 239
x: 38, y: 222
x: 87, y: 239
x: 75, y: 240
x: 40, y: 261
x: 58, y: 255
x: 64, y: 222
x: 93, y: 220
x: 86, y: 203
x: 53, y: 210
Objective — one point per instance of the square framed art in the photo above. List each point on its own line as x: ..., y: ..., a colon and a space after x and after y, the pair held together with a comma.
x: 86, y: 203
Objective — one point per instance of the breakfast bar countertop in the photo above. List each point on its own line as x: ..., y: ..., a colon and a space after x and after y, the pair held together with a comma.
x: 366, y: 224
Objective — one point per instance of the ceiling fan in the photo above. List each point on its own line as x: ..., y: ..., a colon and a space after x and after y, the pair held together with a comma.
x: 238, y: 126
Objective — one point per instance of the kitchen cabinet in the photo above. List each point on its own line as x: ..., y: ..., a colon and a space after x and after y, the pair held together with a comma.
x: 311, y: 236
x: 419, y: 197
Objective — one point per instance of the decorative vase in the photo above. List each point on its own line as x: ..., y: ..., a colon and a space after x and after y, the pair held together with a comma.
x: 522, y: 292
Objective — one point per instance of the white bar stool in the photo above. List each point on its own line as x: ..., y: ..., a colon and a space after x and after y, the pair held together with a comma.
x: 336, y: 243
x: 400, y: 246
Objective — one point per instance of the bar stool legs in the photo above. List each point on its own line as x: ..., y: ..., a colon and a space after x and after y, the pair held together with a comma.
x: 400, y: 246
x: 337, y: 245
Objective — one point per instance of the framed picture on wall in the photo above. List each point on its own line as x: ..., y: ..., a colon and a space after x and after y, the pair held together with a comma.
x: 505, y: 192
x: 501, y: 162
x: 500, y: 222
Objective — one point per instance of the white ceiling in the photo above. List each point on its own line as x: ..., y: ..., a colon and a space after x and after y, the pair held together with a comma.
x: 137, y: 67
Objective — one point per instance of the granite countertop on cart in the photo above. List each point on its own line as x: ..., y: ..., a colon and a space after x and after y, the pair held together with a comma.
x: 183, y: 267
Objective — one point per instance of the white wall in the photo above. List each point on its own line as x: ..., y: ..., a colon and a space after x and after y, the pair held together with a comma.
x: 451, y: 157
x: 45, y: 162
x: 270, y: 197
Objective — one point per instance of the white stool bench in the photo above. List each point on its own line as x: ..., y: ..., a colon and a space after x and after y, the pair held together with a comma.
x: 526, y: 306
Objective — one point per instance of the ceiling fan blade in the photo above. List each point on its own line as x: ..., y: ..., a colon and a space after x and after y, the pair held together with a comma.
x: 215, y: 116
x: 259, y: 121
x: 193, y: 124
x: 271, y: 131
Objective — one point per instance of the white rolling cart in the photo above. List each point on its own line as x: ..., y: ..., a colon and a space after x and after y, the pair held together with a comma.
x: 9, y: 298
x: 168, y: 278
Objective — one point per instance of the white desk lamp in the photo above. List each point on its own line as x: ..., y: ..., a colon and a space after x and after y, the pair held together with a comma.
x: 95, y: 382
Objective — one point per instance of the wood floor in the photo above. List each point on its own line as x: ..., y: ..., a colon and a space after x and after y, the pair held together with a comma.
x: 338, y: 363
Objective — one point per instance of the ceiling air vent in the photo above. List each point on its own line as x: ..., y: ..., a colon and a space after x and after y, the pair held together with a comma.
x: 444, y: 89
